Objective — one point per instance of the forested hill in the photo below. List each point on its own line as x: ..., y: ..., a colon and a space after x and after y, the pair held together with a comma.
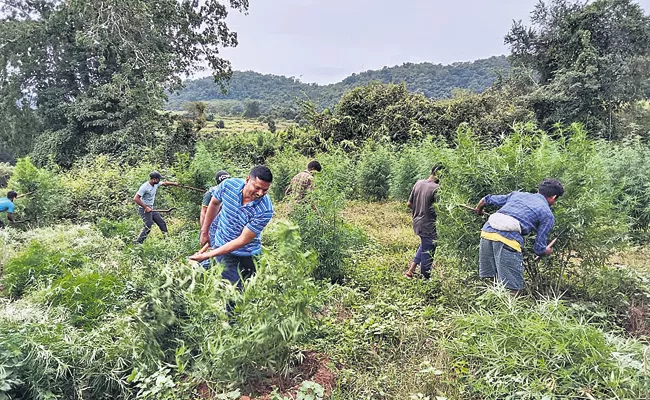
x: 433, y: 80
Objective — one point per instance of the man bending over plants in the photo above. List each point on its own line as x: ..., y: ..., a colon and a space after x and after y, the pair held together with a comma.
x: 7, y: 204
x: 243, y: 209
x: 421, y: 202
x: 144, y: 198
x: 500, y: 251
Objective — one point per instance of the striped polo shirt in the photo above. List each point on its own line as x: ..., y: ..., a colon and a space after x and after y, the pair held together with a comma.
x: 234, y: 216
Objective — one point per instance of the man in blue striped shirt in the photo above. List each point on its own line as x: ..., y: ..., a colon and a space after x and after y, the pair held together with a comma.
x: 502, y: 235
x: 242, y: 208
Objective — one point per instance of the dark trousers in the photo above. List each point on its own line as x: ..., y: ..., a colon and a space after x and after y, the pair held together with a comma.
x: 424, y: 255
x: 148, y: 219
x: 233, y: 266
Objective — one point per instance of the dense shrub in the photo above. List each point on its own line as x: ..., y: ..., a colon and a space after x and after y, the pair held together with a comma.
x: 285, y: 166
x: 5, y: 173
x: 586, y: 222
x: 373, y: 173
x: 324, y: 231
x: 509, y: 346
x: 87, y: 295
x: 37, y: 264
x: 48, y: 199
x: 414, y: 162
x: 629, y: 179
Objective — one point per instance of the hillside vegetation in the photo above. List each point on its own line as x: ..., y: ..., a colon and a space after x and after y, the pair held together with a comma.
x: 435, y: 81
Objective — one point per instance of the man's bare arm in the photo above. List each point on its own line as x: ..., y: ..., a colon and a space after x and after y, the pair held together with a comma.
x: 210, y: 214
x: 138, y: 200
x: 242, y: 240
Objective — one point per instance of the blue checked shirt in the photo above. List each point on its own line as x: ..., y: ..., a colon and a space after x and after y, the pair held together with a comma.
x: 530, y: 209
x: 234, y: 216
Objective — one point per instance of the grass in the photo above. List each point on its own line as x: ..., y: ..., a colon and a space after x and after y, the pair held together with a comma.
x: 387, y: 337
x: 239, y: 125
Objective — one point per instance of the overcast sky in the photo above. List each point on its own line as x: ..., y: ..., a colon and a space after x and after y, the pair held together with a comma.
x: 325, y: 41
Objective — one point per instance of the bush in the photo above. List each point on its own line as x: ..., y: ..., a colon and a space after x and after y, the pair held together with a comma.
x: 37, y: 264
x: 5, y: 173
x: 586, y: 222
x: 629, y: 178
x: 285, y: 166
x: 271, y: 124
x: 374, y: 170
x: 88, y: 296
x: 512, y: 347
x: 324, y: 231
x: 48, y: 200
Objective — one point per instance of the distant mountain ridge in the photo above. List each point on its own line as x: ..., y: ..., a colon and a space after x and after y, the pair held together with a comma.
x: 433, y: 80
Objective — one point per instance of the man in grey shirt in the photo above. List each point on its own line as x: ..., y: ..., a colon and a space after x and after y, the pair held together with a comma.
x: 144, y: 198
x: 421, y: 202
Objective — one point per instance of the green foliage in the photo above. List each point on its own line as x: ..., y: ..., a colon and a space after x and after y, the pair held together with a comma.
x: 252, y: 109
x: 389, y: 113
x: 285, y: 166
x: 100, y: 188
x: 6, y: 170
x: 589, y: 58
x: 412, y: 163
x: 509, y: 346
x: 587, y: 225
x: 108, y: 105
x: 630, y: 180
x: 373, y: 173
x: 433, y: 80
x: 248, y: 149
x: 37, y: 265
x: 88, y: 296
x: 45, y: 184
x: 323, y: 230
x: 271, y: 124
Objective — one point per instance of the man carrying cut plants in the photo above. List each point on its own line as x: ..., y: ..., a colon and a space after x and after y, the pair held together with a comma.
x: 500, y: 252
x: 144, y: 198
x: 303, y: 182
x: 421, y: 202
x: 7, y: 205
x: 243, y: 209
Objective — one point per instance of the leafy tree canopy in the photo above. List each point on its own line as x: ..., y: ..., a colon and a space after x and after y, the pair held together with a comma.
x: 94, y: 72
x: 588, y: 59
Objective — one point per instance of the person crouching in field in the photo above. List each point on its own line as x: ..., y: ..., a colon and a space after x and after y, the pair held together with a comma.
x: 500, y: 251
x: 144, y: 198
x: 421, y: 202
x: 243, y: 209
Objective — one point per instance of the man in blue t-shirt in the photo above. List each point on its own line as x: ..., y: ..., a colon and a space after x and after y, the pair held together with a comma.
x: 144, y: 198
x: 7, y: 204
x: 242, y: 208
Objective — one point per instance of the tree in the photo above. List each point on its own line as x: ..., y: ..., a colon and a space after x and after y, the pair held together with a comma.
x: 588, y: 58
x: 94, y: 73
x: 252, y: 109
x: 271, y: 124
